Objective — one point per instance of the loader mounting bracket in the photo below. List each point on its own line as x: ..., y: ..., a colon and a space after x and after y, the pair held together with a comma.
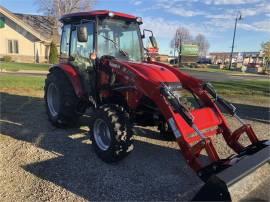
x: 216, y: 167
x: 220, y: 184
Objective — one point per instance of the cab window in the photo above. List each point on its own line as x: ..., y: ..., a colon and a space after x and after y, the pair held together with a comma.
x: 82, y: 49
x: 65, y: 40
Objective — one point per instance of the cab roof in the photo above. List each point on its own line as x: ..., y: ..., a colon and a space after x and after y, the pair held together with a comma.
x: 74, y: 16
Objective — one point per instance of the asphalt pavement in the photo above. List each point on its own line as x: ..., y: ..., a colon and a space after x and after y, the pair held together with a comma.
x: 223, y: 76
x: 204, y: 75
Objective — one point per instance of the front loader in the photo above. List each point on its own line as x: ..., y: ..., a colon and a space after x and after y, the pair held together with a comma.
x: 103, y: 66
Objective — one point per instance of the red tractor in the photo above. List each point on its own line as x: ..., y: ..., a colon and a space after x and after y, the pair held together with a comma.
x: 103, y: 66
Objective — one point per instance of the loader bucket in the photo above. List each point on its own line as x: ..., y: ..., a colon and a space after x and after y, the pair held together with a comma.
x: 239, y: 181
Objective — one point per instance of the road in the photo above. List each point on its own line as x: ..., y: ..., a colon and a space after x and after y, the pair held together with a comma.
x: 207, y: 76
x: 21, y: 74
x: 223, y: 76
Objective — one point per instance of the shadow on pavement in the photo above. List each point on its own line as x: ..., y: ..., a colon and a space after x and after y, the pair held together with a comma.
x: 150, y: 172
x: 253, y: 113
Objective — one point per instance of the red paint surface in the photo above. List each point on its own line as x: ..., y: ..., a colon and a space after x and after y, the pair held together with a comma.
x: 154, y: 72
x: 74, y: 78
x: 98, y: 13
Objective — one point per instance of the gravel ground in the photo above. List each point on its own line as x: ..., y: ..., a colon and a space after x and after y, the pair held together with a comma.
x: 39, y: 162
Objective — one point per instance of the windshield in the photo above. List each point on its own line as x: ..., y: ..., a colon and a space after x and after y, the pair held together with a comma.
x: 120, y: 39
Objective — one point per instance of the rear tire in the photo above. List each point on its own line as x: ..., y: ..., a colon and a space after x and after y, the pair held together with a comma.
x: 111, y: 132
x: 61, y: 100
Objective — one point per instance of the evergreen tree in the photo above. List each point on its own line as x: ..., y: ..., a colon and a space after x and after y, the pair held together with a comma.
x: 53, y: 54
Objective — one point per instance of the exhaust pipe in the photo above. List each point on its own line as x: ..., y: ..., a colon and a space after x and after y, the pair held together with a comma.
x: 239, y: 181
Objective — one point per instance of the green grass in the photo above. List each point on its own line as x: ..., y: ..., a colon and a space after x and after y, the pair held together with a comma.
x: 14, y: 66
x: 255, y: 88
x: 20, y: 82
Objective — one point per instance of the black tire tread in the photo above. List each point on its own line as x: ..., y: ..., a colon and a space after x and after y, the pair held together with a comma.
x: 121, y: 129
x: 68, y: 114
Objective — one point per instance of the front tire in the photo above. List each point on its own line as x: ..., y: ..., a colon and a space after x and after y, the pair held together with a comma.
x: 61, y: 100
x: 111, y: 132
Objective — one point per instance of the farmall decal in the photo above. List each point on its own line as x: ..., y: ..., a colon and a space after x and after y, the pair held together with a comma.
x: 128, y: 75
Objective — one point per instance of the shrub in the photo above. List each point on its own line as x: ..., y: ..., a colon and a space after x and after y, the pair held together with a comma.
x: 204, y: 66
x: 243, y: 68
x: 201, y: 66
x: 192, y: 65
x: 7, y: 58
x: 53, y: 54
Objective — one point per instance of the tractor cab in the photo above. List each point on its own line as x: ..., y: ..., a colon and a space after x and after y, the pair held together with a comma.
x: 102, y: 33
x: 89, y: 36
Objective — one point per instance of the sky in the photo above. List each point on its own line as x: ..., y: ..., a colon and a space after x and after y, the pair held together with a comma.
x: 213, y: 18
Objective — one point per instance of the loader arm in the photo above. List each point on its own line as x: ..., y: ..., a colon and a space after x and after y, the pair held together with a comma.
x: 225, y: 178
x: 210, y: 99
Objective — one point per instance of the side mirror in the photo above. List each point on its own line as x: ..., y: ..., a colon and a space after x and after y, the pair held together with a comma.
x: 153, y: 41
x: 82, y: 33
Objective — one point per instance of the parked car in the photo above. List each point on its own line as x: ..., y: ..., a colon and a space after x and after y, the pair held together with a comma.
x: 204, y: 61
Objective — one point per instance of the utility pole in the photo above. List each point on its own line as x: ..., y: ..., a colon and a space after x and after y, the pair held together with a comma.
x: 179, y: 52
x: 175, y: 49
x: 238, y: 17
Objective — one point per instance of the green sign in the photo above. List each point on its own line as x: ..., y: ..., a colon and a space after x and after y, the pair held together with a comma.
x: 189, y: 50
x: 2, y: 22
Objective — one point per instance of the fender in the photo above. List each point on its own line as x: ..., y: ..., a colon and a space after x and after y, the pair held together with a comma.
x: 73, y: 76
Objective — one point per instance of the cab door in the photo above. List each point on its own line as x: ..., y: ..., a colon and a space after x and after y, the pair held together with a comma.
x: 64, y: 48
x: 79, y: 53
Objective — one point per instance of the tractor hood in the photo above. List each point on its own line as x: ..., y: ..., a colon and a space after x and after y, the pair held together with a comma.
x: 154, y: 72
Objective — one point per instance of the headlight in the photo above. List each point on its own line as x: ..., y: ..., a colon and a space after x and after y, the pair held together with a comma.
x: 139, y: 19
x: 111, y: 14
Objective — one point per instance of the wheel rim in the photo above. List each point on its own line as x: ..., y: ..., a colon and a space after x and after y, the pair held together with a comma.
x: 53, y: 99
x: 102, y: 134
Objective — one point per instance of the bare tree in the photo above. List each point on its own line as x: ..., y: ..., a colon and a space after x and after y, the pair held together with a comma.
x: 54, y: 9
x: 182, y: 36
x: 203, y: 44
